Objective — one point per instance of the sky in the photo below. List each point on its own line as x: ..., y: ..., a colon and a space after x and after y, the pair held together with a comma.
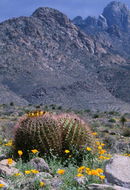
x: 72, y: 8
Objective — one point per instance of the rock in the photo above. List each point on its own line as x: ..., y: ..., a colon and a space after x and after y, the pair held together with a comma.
x: 7, y: 170
x: 102, y: 22
x: 117, y: 171
x: 78, y: 20
x: 105, y: 187
x: 40, y: 165
x: 56, y: 182
x: 5, y: 162
x: 118, y: 14
x: 2, y: 181
x: 3, y: 156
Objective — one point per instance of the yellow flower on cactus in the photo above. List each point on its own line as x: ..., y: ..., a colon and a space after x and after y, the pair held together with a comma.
x: 1, y: 185
x: 9, y: 161
x: 88, y: 149
x: 42, y: 184
x: 94, y: 133
x: 79, y: 175
x: 61, y: 171
x: 102, y: 177
x: 27, y: 172
x: 34, y: 151
x: 67, y: 151
x: 35, y: 171
x: 20, y: 152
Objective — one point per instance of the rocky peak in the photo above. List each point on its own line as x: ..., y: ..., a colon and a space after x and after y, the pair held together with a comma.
x: 78, y: 20
x: 118, y: 14
x: 102, y: 22
x: 52, y: 15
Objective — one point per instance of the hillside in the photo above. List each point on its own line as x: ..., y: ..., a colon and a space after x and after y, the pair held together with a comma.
x: 46, y: 59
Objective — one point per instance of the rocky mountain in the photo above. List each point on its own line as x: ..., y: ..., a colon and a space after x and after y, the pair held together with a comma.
x: 112, y: 30
x: 46, y: 59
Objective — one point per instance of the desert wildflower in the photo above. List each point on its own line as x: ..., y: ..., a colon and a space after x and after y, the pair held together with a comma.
x: 1, y: 185
x: 42, y: 184
x: 34, y: 151
x: 99, y: 148
x: 99, y: 170
x: 102, y: 177
x: 27, y: 172
x: 102, y: 151
x: 20, y: 152
x: 94, y: 133
x: 10, y: 161
x: 79, y: 175
x: 102, y: 144
x: 98, y: 143
x: 17, y: 174
x: 35, y: 171
x: 81, y: 169
x: 61, y: 171
x: 67, y: 151
x: 94, y: 172
x: 88, y: 149
x: 9, y: 143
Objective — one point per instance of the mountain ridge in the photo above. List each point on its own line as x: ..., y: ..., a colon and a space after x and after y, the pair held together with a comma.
x: 46, y: 59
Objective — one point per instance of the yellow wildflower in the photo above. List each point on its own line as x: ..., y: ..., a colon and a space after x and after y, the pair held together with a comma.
x: 42, y: 184
x: 102, y: 177
x: 27, y: 172
x: 102, y: 151
x: 20, y: 152
x: 17, y: 174
x: 98, y: 143
x: 88, y: 149
x: 94, y: 133
x: 102, y: 144
x: 80, y: 169
x: 99, y: 170
x: 34, y: 151
x: 1, y: 185
x: 61, y: 171
x: 99, y: 148
x: 9, y: 143
x: 79, y: 175
x: 94, y: 172
x: 34, y: 171
x: 10, y: 161
x: 67, y: 151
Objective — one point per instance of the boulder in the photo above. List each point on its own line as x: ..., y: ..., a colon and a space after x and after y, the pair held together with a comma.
x: 40, y: 164
x: 105, y: 187
x: 117, y: 171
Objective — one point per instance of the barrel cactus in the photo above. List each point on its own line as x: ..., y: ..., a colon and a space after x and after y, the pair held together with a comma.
x: 75, y: 132
x: 46, y: 131
x: 37, y: 130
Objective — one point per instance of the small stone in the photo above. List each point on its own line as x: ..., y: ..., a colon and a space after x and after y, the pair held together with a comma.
x: 6, y: 169
x: 2, y: 181
x: 40, y: 165
x: 105, y: 187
